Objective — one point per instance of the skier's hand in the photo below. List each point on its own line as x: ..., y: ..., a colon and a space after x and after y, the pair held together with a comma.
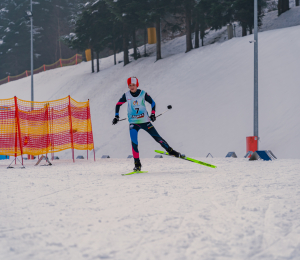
x: 115, y: 120
x: 153, y: 117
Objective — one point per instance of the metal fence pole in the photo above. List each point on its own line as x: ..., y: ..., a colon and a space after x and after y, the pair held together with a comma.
x: 31, y: 19
x: 255, y: 72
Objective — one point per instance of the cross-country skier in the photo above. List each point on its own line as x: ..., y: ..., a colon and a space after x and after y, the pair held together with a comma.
x: 139, y: 119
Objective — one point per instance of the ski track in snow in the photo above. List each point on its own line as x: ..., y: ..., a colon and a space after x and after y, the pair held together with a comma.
x: 179, y: 210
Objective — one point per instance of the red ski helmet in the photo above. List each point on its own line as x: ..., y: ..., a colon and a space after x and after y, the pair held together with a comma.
x: 133, y: 80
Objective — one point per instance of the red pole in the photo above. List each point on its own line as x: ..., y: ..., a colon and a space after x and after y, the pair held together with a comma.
x: 19, y: 129
x: 52, y: 142
x: 26, y: 73
x: 16, y: 133
x: 87, y: 130
x: 44, y: 67
x: 70, y: 117
x: 60, y: 62
x: 47, y: 142
x: 92, y: 131
x: 8, y: 78
x: 76, y: 58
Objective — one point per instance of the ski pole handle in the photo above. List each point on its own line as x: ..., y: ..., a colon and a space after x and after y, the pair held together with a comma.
x: 162, y: 113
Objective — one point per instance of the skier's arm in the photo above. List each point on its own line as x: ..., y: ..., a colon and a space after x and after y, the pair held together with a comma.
x: 151, y: 101
x: 119, y: 104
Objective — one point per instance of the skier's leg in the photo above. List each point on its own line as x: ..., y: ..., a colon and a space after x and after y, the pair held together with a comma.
x: 133, y: 130
x: 152, y: 131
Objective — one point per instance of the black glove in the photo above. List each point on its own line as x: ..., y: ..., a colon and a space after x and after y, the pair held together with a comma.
x: 115, y: 120
x: 153, y: 117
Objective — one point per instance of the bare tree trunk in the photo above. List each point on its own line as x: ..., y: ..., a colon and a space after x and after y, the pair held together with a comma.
x: 286, y: 5
x: 115, y: 58
x: 202, y: 34
x: 279, y: 7
x: 145, y: 42
x: 134, y: 44
x: 297, y: 2
x: 250, y: 30
x: 158, y: 40
x: 283, y: 6
x: 98, y: 67
x: 197, y: 33
x: 125, y: 44
x: 244, y: 30
x: 188, y: 26
x: 92, y: 60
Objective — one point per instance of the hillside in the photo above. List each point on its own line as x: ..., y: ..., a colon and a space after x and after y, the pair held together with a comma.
x: 211, y: 90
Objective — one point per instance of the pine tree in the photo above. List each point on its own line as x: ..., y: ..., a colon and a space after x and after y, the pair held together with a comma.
x: 243, y: 12
x: 50, y: 21
x: 123, y: 15
x: 92, y: 30
x: 188, y: 6
x: 158, y: 9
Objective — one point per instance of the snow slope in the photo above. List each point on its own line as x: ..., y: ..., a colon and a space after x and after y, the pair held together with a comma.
x: 179, y: 210
x: 210, y: 88
x: 289, y: 18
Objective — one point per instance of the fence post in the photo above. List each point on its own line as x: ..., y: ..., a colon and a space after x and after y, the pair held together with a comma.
x: 8, y: 78
x: 16, y: 132
x: 26, y: 73
x: 92, y: 131
x: 44, y: 67
x: 52, y: 139
x: 70, y: 116
x: 60, y: 62
x: 87, y: 130
x: 76, y: 58
x: 47, y: 118
x: 19, y: 130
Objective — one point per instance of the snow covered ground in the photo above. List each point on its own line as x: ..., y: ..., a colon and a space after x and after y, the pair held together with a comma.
x: 179, y: 210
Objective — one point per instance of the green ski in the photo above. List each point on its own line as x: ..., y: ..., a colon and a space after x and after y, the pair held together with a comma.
x: 133, y: 173
x: 188, y: 159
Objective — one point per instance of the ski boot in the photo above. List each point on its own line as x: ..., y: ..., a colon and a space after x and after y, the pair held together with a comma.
x: 174, y: 153
x: 137, y: 166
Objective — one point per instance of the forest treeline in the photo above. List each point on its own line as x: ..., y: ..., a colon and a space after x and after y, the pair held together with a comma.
x: 114, y: 23
x: 111, y: 26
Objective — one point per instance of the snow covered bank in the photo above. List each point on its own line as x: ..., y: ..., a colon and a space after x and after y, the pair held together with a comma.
x: 272, y: 21
x: 289, y: 18
x: 179, y: 210
x: 210, y: 88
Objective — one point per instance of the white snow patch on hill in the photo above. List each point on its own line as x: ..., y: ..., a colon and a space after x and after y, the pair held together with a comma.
x: 210, y: 88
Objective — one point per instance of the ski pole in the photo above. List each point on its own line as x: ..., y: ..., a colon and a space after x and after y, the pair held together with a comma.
x: 169, y: 107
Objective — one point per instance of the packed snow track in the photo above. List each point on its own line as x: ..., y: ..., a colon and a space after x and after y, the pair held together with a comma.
x: 179, y: 210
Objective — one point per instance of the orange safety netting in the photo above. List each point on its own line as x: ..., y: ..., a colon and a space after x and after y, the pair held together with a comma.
x: 60, y: 63
x: 37, y: 128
